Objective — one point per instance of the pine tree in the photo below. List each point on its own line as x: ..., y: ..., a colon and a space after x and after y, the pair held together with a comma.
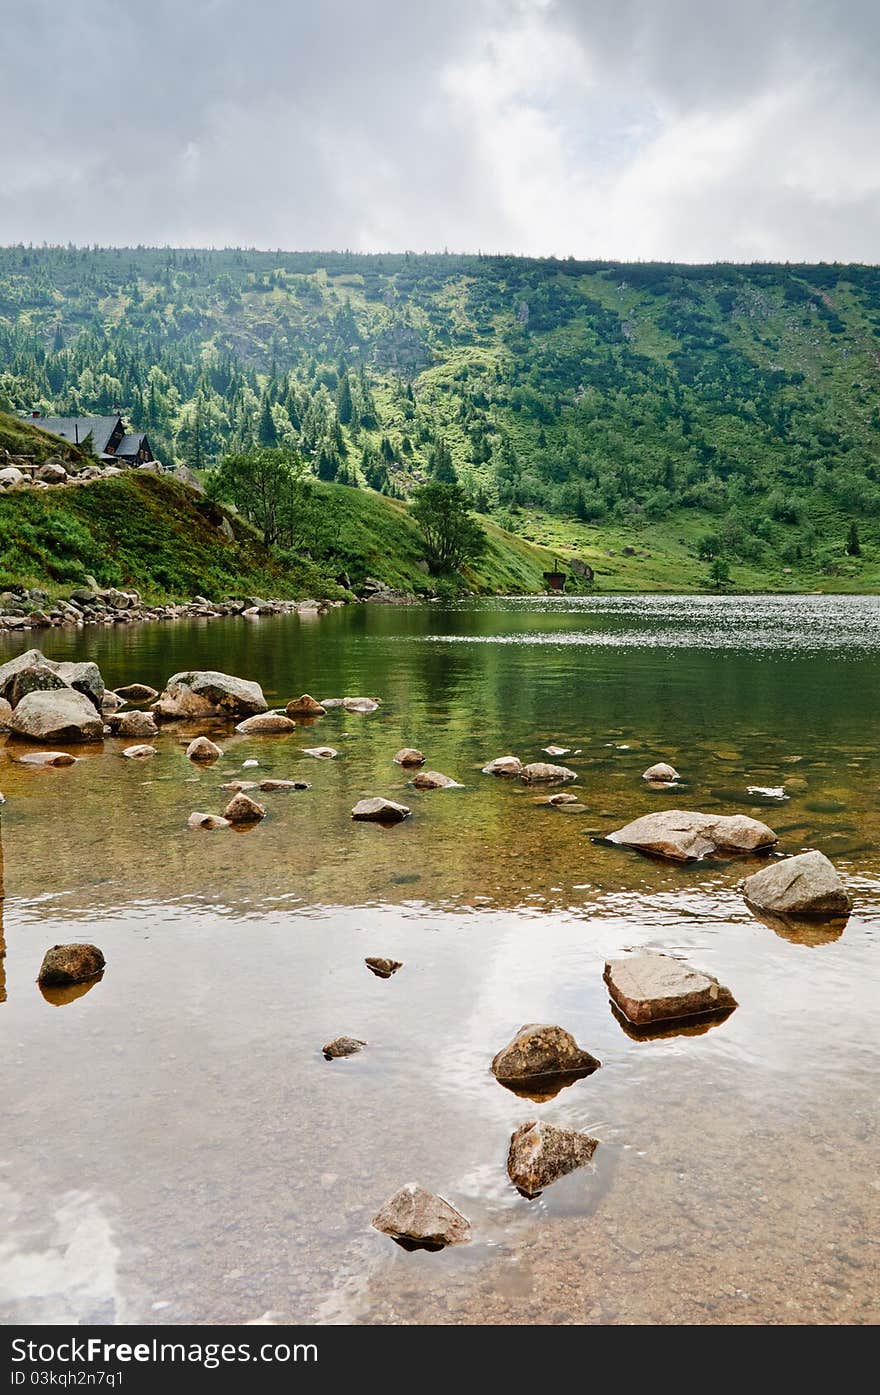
x: 344, y: 408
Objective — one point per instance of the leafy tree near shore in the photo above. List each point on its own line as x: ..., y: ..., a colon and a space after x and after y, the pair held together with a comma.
x: 719, y: 573
x: 452, y: 537
x: 264, y: 485
x: 853, y: 545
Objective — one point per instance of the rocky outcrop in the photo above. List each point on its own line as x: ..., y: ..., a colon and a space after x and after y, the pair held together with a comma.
x: 242, y: 809
x: 75, y: 963
x: 651, y: 987
x: 342, y: 1046
x: 540, y: 1153
x: 504, y: 765
x: 409, y: 756
x: 207, y: 693
x: 540, y: 771
x: 202, y: 749
x: 806, y: 885
x: 378, y: 810
x: 421, y: 1220
x: 383, y: 968
x: 266, y: 724
x: 661, y: 773
x: 685, y: 836
x: 433, y: 780
x: 305, y: 706
x: 62, y: 715
x: 538, y: 1051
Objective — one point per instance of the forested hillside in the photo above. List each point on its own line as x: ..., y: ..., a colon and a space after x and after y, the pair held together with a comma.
x: 737, y: 405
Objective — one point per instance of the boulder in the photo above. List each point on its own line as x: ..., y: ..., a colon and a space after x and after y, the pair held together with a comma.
x: 5, y: 713
x: 135, y: 724
x: 422, y: 1220
x: 504, y: 765
x: 51, y: 474
x: 111, y: 704
x: 277, y: 786
x: 305, y: 706
x: 203, y: 749
x: 409, y: 756
x: 540, y: 771
x: 265, y: 724
x: 70, y: 964
x: 540, y: 1153
x: 139, y: 752
x: 47, y: 758
x: 686, y: 836
x: 29, y: 672
x: 384, y: 968
x: 653, y: 987
x: 321, y: 752
x: 205, y: 692
x: 11, y: 475
x: 85, y: 678
x: 199, y: 820
x: 61, y: 716
x: 360, y: 704
x: 242, y: 809
x: 137, y: 692
x: 342, y: 1046
x: 537, y: 1051
x: 433, y: 780
x: 805, y: 885
x: 189, y: 477
x: 661, y: 773
x: 380, y: 810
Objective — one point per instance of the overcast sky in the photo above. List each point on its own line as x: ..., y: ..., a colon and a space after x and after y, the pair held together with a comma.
x: 689, y: 130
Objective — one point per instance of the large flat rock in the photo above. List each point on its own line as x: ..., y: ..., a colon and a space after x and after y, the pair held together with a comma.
x: 686, y: 836
x: 62, y: 715
x: 806, y: 885
x: 653, y: 987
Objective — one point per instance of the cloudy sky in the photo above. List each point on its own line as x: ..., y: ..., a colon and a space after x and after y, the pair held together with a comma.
x: 678, y: 129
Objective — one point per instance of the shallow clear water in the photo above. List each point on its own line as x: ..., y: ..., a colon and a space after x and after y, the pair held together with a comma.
x: 175, y: 1147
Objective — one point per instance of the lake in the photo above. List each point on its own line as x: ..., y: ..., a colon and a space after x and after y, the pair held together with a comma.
x: 175, y: 1148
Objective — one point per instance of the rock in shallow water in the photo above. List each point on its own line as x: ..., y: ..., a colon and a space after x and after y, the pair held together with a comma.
x: 504, y: 765
x: 661, y: 772
x: 538, y: 1051
x: 242, y: 809
x: 806, y: 885
x: 384, y: 968
x: 540, y: 771
x: 139, y: 752
x: 422, y: 1220
x: 540, y: 1153
x: 265, y: 724
x: 41, y: 759
x: 379, y: 810
x: 203, y: 749
x: 279, y: 786
x: 321, y: 752
x: 305, y: 706
x: 199, y: 820
x: 342, y: 1046
x: 62, y: 715
x: 409, y: 756
x: 137, y: 692
x: 205, y: 692
x: 685, y: 836
x: 70, y: 964
x: 433, y: 780
x: 657, y: 988
x: 134, y: 724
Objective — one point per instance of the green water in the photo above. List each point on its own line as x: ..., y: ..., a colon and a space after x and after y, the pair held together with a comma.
x: 175, y: 1147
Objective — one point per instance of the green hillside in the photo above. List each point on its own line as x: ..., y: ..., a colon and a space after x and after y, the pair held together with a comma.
x: 698, y: 412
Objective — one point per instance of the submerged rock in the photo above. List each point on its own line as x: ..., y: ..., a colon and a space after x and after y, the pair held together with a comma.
x: 504, y: 765
x: 265, y: 724
x: 560, y: 799
x: 42, y: 759
x: 384, y: 968
x: 661, y: 773
x: 205, y: 692
x: 379, y: 810
x: 276, y: 786
x: 342, y: 1046
x: 653, y: 987
x: 540, y: 771
x: 203, y: 749
x: 409, y: 756
x: 422, y: 1220
x: 540, y: 1153
x: 686, y: 836
x: 557, y: 750
x: 305, y: 706
x: 61, y: 715
x: 199, y: 820
x: 139, y: 752
x: 321, y: 752
x: 137, y: 692
x: 538, y: 1051
x: 805, y: 885
x: 135, y: 724
x: 242, y: 809
x: 70, y: 964
x: 360, y: 704
x: 433, y: 780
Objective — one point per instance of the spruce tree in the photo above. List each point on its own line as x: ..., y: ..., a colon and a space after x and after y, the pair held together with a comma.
x: 266, y: 433
x: 853, y: 546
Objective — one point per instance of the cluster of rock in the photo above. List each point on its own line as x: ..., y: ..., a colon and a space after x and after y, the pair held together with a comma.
x: 91, y: 604
x: 537, y: 772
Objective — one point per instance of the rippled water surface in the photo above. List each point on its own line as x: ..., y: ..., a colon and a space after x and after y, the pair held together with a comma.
x: 174, y: 1145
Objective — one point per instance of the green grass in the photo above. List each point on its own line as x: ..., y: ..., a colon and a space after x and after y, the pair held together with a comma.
x: 22, y: 438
